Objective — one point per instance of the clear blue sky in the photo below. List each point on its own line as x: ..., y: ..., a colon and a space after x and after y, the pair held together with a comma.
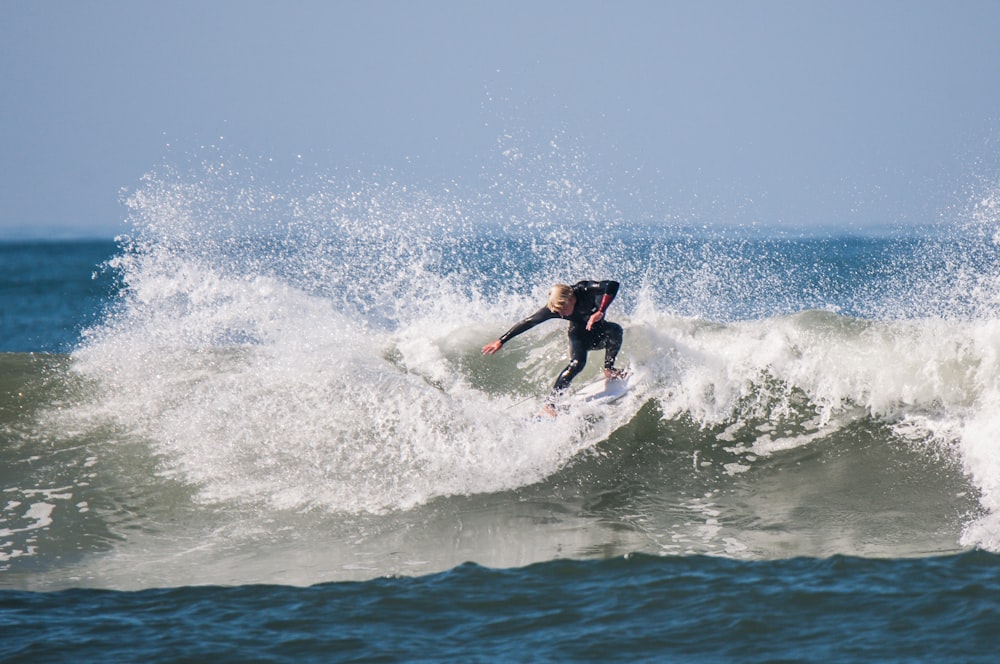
x: 849, y: 112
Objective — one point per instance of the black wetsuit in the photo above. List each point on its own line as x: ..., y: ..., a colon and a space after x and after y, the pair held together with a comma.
x: 603, y: 334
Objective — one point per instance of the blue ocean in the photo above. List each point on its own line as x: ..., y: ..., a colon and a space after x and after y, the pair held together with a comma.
x: 258, y: 426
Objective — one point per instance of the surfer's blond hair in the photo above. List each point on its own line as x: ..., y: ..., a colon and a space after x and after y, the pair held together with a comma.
x: 558, y: 297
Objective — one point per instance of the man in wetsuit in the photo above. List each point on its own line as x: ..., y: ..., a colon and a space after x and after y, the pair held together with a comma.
x: 583, y: 304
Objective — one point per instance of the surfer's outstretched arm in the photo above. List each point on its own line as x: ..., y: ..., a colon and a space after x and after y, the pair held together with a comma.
x: 522, y: 325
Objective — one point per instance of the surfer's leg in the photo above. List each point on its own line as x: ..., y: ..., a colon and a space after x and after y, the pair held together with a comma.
x: 577, y: 361
x: 612, y: 335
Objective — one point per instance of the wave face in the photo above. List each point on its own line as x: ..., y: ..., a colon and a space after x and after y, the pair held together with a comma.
x: 288, y: 387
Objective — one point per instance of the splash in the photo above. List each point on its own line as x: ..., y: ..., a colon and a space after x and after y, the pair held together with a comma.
x: 314, y: 343
x: 307, y: 347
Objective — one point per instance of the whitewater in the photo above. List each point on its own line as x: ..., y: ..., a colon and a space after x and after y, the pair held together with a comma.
x: 285, y: 385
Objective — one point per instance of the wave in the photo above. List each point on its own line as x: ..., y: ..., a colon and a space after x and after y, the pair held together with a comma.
x: 308, y: 354
x: 390, y: 420
x: 170, y: 467
x: 341, y: 324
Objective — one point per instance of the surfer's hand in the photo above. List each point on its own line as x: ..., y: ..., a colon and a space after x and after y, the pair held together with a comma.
x: 492, y: 347
x: 595, y: 317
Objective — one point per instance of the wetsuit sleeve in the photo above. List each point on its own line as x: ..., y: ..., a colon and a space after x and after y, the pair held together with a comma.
x: 610, y: 291
x: 526, y: 324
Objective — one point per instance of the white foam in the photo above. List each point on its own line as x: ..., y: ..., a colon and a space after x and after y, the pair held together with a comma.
x: 321, y: 411
x: 332, y: 363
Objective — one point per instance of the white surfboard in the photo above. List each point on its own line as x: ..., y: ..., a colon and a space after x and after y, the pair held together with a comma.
x: 602, y: 390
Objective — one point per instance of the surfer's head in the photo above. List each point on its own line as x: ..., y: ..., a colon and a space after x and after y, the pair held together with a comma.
x: 561, y: 296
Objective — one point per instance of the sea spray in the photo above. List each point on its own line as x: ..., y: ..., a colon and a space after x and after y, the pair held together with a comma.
x: 315, y: 345
x: 308, y: 364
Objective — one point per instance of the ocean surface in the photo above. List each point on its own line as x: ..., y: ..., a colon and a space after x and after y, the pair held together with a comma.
x: 258, y: 427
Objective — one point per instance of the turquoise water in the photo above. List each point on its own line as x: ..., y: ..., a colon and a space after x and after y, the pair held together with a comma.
x: 50, y: 292
x: 638, y: 608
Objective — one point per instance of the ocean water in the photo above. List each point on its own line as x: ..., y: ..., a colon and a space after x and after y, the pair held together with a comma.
x: 258, y: 427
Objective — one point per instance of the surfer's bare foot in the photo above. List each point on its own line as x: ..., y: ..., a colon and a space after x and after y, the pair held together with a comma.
x: 615, y: 374
x: 549, y: 410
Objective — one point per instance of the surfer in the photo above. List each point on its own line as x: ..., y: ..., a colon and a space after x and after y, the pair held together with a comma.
x: 583, y: 304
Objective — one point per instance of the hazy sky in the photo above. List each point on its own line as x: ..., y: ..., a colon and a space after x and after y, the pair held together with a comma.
x: 797, y: 113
